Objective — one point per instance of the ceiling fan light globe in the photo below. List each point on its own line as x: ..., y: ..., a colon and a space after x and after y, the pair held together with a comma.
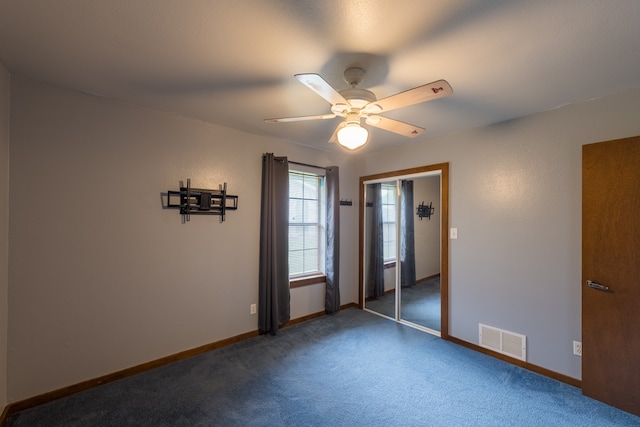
x: 352, y: 136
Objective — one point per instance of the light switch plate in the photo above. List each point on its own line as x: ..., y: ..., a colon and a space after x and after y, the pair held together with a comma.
x: 453, y: 233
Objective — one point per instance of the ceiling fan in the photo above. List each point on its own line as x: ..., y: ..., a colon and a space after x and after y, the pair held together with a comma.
x: 356, y: 104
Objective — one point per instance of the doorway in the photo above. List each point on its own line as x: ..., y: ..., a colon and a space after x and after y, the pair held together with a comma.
x: 403, y: 257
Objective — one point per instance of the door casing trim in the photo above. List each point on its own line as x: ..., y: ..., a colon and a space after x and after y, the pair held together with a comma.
x: 443, y: 168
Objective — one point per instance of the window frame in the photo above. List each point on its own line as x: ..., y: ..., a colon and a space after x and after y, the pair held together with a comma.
x: 316, y: 276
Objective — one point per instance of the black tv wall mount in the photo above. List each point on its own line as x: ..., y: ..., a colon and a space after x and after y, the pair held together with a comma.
x: 200, y: 201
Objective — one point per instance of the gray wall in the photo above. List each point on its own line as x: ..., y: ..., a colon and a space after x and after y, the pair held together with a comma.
x: 427, y: 231
x: 101, y: 277
x: 515, y: 193
x: 4, y: 228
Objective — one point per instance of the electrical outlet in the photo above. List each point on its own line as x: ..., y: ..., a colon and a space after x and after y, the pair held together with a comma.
x: 577, y: 348
x: 253, y: 309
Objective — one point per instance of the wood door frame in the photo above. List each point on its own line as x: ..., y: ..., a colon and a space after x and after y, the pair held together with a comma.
x: 444, y: 235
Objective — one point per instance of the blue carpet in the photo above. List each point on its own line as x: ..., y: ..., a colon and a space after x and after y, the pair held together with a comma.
x: 350, y: 369
x: 420, y: 304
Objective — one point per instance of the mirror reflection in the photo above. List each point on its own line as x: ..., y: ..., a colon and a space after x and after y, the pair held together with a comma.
x: 402, y: 249
x: 380, y: 247
x: 420, y: 252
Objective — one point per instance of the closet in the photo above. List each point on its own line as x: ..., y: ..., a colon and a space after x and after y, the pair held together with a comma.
x: 404, y: 246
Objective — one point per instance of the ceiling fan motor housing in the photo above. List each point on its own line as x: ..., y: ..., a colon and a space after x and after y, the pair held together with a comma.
x: 358, y: 98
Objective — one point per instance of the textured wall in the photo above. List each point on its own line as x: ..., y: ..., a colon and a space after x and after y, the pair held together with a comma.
x: 101, y: 277
x: 515, y: 194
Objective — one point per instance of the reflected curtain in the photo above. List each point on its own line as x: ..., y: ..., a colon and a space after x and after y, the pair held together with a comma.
x: 407, y: 240
x: 273, y: 280
x: 375, y: 270
x: 332, y: 249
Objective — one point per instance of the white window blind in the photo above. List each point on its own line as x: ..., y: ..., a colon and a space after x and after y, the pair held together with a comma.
x: 389, y: 221
x: 305, y: 224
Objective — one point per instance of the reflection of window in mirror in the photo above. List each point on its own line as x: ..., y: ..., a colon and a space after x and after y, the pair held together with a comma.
x: 389, y: 221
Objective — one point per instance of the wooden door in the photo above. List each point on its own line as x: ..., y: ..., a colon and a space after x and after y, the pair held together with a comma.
x: 611, y: 259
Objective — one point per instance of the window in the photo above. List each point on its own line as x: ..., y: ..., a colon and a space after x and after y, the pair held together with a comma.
x: 389, y: 221
x: 306, y: 225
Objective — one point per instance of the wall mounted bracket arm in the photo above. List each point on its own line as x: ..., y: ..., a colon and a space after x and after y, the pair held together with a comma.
x: 200, y: 201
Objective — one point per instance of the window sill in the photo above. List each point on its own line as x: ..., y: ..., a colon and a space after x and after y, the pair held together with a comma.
x: 299, y: 282
x: 390, y: 264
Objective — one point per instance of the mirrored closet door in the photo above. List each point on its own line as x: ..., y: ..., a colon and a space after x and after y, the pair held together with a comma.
x: 402, y: 263
x: 380, y: 247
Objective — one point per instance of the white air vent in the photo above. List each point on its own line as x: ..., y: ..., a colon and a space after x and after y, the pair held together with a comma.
x: 505, y: 342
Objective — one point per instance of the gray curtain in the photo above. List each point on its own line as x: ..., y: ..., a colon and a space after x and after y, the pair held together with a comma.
x: 407, y: 241
x: 273, y: 281
x: 375, y: 270
x: 332, y: 250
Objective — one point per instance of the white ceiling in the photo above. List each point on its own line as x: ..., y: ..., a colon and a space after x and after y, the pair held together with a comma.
x: 232, y: 62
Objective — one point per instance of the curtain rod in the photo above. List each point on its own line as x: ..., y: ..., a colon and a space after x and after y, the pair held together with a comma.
x: 308, y: 165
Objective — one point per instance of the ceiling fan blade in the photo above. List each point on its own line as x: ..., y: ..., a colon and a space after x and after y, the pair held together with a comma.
x: 321, y: 87
x: 334, y: 137
x: 396, y: 126
x: 433, y: 90
x: 300, y: 118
